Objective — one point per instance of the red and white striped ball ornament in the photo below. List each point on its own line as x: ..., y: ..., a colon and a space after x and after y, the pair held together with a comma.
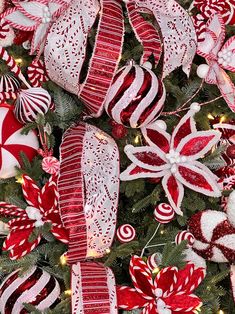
x: 184, y: 235
x: 37, y: 287
x: 31, y: 102
x: 136, y: 96
x: 164, y: 213
x: 9, y: 83
x: 154, y: 260
x: 12, y: 142
x: 126, y: 233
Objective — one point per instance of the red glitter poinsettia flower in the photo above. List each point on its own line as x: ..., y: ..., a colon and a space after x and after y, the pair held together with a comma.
x: 42, y: 208
x: 169, y: 293
x: 174, y: 157
x: 218, y: 56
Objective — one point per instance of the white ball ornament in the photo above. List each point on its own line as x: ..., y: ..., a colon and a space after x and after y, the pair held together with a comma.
x: 164, y: 213
x: 202, y: 70
x: 126, y: 233
x: 12, y: 142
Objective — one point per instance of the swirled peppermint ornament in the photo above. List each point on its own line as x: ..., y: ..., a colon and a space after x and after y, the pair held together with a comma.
x: 30, y: 103
x: 136, y: 96
x: 36, y: 287
x: 164, y: 213
x: 185, y: 235
x: 9, y: 83
x: 50, y: 165
x: 126, y: 233
x: 37, y: 73
x: 154, y: 260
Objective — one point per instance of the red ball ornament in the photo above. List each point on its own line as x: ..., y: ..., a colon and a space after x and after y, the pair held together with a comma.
x: 214, y: 236
x: 231, y: 151
x: 119, y: 131
x: 37, y: 287
x: 164, y: 213
x: 136, y: 96
x: 126, y: 233
x: 12, y: 142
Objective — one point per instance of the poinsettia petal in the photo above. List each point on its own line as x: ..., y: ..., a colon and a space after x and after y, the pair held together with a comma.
x: 18, y: 20
x: 48, y: 195
x: 135, y: 172
x: 197, y: 144
x: 174, y: 191
x: 39, y: 37
x: 189, y: 278
x: 185, y: 127
x: 31, y: 191
x: 33, y: 9
x: 10, y: 210
x: 60, y: 233
x: 214, y: 37
x: 226, y: 87
x: 156, y: 136
x: 182, y: 302
x: 24, y: 249
x: 16, y: 238
x: 21, y: 223
x: 147, y: 157
x: 151, y: 308
x: 129, y: 299
x: 211, y: 77
x: 197, y: 180
x: 165, y: 280
x: 141, y: 277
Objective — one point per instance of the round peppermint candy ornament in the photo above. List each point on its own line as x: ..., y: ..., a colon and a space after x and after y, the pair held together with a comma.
x: 126, y: 233
x: 37, y: 287
x: 164, y: 213
x: 136, y: 96
x: 184, y: 235
x: 12, y: 142
x: 9, y: 83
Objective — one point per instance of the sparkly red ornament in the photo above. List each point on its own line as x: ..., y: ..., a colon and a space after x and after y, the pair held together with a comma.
x: 136, y: 96
x: 214, y: 236
x: 119, y: 131
x: 230, y: 151
x: 36, y: 287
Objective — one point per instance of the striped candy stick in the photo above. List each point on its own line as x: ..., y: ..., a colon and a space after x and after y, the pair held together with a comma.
x: 7, y: 95
x: 4, y: 55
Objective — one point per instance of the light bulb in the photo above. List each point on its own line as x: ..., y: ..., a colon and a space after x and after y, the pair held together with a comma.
x: 63, y: 260
x: 19, y: 180
x: 210, y: 117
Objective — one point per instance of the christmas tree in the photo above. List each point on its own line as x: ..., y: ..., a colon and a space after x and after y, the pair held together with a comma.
x: 117, y: 156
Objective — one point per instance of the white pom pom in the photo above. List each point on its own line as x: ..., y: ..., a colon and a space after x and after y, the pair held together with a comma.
x: 202, y: 70
x: 148, y: 65
x: 161, y: 124
x: 195, y: 107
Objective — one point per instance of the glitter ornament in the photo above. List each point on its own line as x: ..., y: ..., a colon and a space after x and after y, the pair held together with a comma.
x: 12, y: 142
x: 36, y: 287
x: 154, y: 260
x: 136, y: 96
x: 31, y: 102
x: 164, y: 213
x: 214, y: 236
x: 126, y: 233
x: 184, y: 235
x: 230, y: 151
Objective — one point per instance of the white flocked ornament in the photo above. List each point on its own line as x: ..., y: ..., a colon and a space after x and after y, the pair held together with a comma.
x: 202, y: 70
x: 231, y: 208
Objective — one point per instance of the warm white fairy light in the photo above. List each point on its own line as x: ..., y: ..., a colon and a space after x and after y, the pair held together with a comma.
x: 63, y: 260
x: 210, y: 117
x: 19, y: 180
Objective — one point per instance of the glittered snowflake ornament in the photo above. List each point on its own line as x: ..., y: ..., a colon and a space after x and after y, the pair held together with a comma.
x: 42, y: 208
x: 169, y: 293
x: 174, y: 159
